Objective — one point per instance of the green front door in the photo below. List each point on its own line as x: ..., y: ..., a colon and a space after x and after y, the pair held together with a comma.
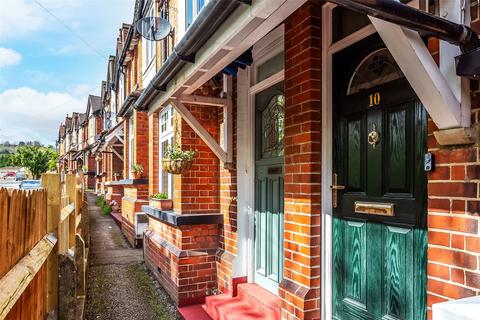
x: 269, y: 132
x: 379, y: 228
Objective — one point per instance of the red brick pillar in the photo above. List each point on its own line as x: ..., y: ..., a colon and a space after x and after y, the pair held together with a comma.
x: 453, y: 218
x: 140, y: 124
x: 180, y: 249
x: 228, y: 209
x: 153, y: 154
x: 126, y: 150
x: 300, y: 288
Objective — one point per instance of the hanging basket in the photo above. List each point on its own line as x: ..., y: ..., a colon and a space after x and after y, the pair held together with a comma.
x: 177, y: 166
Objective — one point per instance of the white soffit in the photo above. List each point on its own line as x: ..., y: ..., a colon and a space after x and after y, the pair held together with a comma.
x: 238, y: 33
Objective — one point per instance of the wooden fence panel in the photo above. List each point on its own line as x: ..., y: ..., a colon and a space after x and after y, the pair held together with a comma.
x: 31, y: 222
x: 23, y: 225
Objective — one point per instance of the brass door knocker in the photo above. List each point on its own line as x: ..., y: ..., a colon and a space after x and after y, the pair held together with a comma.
x: 373, y: 136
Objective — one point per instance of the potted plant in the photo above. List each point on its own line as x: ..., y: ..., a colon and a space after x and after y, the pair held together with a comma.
x: 161, y: 201
x: 178, y: 161
x: 137, y: 171
x: 116, y: 176
x: 85, y: 169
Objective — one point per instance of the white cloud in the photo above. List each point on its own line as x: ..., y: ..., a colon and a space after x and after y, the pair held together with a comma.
x: 9, y: 57
x: 82, y: 90
x: 21, y: 17
x: 17, y: 17
x: 27, y: 114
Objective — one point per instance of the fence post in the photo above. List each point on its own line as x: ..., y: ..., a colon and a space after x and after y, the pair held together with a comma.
x: 52, y: 184
x: 71, y: 185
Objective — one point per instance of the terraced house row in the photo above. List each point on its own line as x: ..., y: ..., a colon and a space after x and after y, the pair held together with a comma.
x: 294, y: 159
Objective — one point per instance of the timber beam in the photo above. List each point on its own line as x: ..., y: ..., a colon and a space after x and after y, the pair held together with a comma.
x: 224, y: 152
x: 198, y: 128
x: 201, y: 100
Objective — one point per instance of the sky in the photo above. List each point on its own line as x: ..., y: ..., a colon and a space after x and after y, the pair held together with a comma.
x: 46, y: 71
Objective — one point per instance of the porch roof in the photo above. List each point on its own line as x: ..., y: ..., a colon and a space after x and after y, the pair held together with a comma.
x: 213, y: 44
x: 128, y: 103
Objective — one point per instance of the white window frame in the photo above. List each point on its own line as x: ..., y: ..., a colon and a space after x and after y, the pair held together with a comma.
x: 149, y: 49
x: 195, y: 9
x: 165, y: 117
x: 121, y: 88
x: 92, y: 129
x: 131, y: 146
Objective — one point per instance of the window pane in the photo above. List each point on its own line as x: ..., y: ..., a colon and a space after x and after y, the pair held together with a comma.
x: 270, y: 67
x: 346, y: 22
x: 200, y: 5
x: 377, y: 68
x: 189, y: 8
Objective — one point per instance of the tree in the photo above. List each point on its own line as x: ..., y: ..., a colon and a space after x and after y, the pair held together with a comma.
x: 5, y: 160
x: 21, y: 143
x: 37, y: 159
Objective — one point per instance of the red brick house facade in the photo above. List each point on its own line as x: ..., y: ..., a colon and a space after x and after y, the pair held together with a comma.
x: 300, y: 203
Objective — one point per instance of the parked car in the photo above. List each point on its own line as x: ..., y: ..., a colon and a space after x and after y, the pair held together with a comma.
x: 20, y: 176
x: 30, y: 184
x: 10, y: 176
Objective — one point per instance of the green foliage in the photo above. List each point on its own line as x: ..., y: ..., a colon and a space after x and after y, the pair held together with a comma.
x: 106, y: 210
x: 5, y: 160
x: 104, y: 205
x: 100, y: 201
x: 138, y: 168
x: 35, y: 158
x: 160, y: 196
x: 175, y: 152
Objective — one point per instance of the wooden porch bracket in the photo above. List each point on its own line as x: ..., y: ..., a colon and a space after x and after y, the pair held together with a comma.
x: 117, y: 154
x: 421, y: 71
x: 198, y: 128
x: 441, y: 91
x: 224, y: 152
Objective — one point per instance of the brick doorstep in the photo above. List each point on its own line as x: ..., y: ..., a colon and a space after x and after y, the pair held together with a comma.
x: 252, y: 302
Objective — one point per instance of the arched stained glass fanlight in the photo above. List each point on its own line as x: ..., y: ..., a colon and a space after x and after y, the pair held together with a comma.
x: 273, y: 124
x: 377, y: 68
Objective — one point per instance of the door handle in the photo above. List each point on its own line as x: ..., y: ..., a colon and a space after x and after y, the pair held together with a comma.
x: 335, y: 187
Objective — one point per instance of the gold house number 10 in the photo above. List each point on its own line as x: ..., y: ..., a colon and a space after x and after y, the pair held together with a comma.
x: 374, y: 99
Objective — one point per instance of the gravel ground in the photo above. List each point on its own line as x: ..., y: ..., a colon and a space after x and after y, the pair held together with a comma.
x: 119, y: 285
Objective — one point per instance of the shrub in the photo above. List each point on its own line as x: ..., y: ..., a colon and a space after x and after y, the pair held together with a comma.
x: 106, y: 209
x: 160, y: 196
x: 100, y: 201
x: 175, y: 152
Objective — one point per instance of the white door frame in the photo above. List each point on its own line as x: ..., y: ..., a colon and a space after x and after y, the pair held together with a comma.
x: 328, y: 50
x: 269, y: 46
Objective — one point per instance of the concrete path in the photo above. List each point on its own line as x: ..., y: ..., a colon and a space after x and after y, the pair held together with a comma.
x: 119, y: 285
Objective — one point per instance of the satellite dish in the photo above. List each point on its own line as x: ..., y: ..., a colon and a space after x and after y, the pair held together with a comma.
x: 153, y: 28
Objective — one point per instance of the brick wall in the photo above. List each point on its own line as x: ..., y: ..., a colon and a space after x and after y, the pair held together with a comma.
x: 141, y: 140
x: 91, y: 168
x: 228, y: 208
x: 196, y: 191
x: 187, y: 278
x: 453, y: 210
x: 300, y: 288
x: 153, y: 150
x: 126, y: 151
x: 98, y: 124
x: 117, y: 164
